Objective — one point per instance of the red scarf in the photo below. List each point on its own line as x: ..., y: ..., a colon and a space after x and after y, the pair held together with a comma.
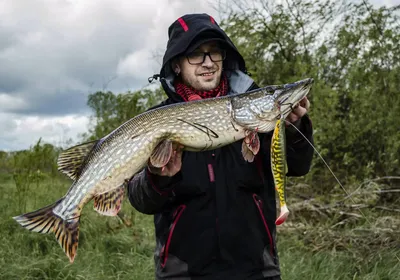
x: 190, y: 94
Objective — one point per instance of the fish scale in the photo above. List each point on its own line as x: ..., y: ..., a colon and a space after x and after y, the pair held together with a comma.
x: 100, y: 169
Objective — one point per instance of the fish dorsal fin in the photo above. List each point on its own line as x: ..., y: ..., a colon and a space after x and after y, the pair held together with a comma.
x: 109, y: 203
x: 70, y: 161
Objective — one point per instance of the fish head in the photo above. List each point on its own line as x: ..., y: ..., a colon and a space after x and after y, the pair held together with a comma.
x: 261, y: 108
x: 287, y: 98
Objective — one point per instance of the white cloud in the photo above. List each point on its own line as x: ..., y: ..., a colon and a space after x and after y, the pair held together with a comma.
x: 132, y: 64
x: 23, y: 132
x: 11, y: 103
x: 53, y: 53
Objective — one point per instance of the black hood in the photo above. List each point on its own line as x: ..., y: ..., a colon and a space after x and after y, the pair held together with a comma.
x: 188, y: 29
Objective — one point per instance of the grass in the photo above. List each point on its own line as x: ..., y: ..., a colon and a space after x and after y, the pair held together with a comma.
x: 298, y: 262
x: 106, y: 250
x: 110, y: 250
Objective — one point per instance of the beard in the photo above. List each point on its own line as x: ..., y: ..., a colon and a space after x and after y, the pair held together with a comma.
x: 207, y: 79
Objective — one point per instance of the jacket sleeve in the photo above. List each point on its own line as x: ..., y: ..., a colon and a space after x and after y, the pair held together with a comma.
x: 150, y: 193
x: 299, y: 152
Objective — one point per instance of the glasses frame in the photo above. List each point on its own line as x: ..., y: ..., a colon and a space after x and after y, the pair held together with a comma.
x: 223, y: 54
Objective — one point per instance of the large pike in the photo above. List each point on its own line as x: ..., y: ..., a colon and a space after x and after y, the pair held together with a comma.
x: 99, y: 169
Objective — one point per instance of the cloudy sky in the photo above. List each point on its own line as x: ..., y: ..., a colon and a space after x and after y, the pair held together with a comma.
x: 53, y: 53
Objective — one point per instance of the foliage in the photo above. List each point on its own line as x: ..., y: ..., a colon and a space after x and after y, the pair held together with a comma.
x: 110, y: 250
x: 30, y: 167
x: 107, y: 250
x: 352, y: 51
x: 111, y: 110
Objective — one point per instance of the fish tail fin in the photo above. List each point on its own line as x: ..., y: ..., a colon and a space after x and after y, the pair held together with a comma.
x: 67, y: 235
x: 41, y: 220
x: 45, y: 221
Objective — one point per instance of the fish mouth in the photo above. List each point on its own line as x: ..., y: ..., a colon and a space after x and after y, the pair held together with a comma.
x: 291, y: 94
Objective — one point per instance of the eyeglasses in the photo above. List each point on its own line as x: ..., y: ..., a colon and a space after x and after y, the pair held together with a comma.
x: 197, y: 58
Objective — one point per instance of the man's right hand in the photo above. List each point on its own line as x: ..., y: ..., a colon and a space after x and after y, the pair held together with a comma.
x: 172, y: 167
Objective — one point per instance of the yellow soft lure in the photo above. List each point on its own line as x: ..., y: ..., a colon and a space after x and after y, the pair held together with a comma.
x: 279, y: 167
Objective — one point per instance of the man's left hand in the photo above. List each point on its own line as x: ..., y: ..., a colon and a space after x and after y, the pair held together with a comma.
x: 299, y: 111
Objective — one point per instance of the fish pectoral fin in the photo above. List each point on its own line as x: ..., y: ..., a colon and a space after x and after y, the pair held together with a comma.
x: 109, y: 203
x: 247, y: 153
x: 161, y: 154
x: 250, y: 145
x: 70, y: 161
x: 45, y: 221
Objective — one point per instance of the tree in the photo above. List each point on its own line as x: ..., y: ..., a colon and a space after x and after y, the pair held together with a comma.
x: 111, y: 110
x: 352, y: 52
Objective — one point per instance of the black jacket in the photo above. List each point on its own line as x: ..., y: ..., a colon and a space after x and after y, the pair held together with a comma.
x: 215, y: 219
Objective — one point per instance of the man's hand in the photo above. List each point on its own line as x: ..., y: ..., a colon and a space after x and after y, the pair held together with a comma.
x: 299, y: 111
x: 172, y: 167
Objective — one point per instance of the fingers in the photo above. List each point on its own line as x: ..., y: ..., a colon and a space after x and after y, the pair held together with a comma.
x: 296, y: 114
x: 292, y: 117
x: 179, y: 151
x: 176, y: 160
x: 305, y: 103
x: 299, y: 111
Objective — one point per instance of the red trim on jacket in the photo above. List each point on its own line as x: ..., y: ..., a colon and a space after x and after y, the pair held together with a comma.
x: 183, y: 24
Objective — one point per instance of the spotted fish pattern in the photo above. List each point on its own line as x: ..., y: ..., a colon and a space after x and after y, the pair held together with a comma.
x: 100, y: 169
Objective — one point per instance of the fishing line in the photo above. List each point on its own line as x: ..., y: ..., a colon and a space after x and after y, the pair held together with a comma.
x: 291, y: 108
x: 343, y: 188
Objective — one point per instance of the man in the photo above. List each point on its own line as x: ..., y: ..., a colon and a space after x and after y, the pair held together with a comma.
x: 214, y: 212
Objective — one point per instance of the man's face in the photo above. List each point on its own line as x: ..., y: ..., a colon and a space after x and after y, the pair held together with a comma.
x: 205, y: 75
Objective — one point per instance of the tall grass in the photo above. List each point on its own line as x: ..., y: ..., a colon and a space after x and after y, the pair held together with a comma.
x: 299, y: 262
x: 110, y: 250
x: 106, y: 250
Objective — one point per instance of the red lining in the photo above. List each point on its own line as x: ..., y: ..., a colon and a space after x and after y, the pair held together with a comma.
x: 212, y: 19
x: 211, y: 172
x: 183, y: 24
x: 259, y: 205
x: 164, y: 250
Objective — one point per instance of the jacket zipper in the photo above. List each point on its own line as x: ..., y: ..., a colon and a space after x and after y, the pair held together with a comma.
x: 164, y: 251
x: 211, y: 176
x: 210, y: 168
x: 259, y: 205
